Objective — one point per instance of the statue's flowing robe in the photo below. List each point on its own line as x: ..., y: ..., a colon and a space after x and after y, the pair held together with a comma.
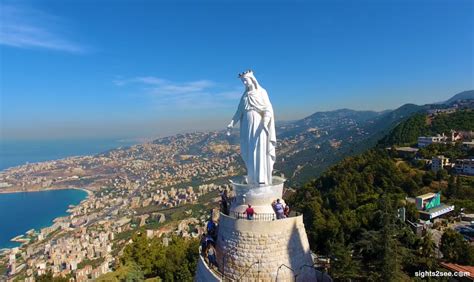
x: 257, y: 140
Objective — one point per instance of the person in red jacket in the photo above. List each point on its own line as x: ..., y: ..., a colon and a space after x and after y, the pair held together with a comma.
x: 250, y: 212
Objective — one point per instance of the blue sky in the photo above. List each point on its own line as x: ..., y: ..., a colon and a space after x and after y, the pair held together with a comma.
x: 126, y: 69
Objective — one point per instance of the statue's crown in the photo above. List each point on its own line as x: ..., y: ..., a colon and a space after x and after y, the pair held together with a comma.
x: 245, y: 73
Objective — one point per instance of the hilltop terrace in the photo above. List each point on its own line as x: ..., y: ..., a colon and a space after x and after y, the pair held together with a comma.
x: 254, y: 266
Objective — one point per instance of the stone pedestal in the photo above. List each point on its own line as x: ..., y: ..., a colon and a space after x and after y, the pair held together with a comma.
x: 263, y: 249
x: 259, y: 196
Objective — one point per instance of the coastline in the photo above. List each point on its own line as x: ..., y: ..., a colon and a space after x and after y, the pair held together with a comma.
x: 21, y: 238
x: 26, y: 152
x: 88, y: 191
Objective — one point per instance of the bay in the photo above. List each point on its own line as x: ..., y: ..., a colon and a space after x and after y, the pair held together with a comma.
x: 20, y: 212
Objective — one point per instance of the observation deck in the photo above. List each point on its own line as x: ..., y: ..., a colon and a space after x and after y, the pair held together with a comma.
x: 273, y: 250
x: 263, y: 248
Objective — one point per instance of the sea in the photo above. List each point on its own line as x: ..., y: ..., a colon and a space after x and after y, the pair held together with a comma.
x: 20, y: 212
x: 14, y: 153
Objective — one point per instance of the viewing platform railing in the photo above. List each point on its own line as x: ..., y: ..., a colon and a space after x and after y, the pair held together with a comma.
x: 256, y: 216
x: 259, y: 216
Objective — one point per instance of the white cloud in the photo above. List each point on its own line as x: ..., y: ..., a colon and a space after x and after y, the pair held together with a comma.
x: 186, y: 88
x: 150, y: 80
x: 24, y: 27
x: 198, y: 94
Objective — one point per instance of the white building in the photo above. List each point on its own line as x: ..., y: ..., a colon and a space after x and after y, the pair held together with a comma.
x: 468, y: 144
x: 424, y: 141
x: 465, y: 166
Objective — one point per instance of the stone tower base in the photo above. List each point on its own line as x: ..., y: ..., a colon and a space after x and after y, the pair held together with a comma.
x: 261, y: 248
x: 275, y: 250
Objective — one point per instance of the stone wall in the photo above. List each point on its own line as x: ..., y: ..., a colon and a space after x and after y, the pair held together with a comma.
x: 260, y: 248
x: 204, y: 274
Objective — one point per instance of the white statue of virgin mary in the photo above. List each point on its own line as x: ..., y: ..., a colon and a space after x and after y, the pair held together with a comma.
x: 257, y: 130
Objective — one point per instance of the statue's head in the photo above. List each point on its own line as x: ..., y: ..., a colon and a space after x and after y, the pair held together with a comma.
x: 249, y: 80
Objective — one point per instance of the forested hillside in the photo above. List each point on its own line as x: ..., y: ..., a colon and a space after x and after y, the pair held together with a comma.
x: 324, y: 138
x: 350, y: 212
x: 421, y: 124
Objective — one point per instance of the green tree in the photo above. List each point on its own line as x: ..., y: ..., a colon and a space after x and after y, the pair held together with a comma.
x: 130, y: 272
x: 48, y: 277
x: 343, y: 266
x: 428, y: 177
x: 441, y: 174
x: 427, y: 252
x: 452, y: 189
x: 411, y: 212
x: 175, y: 262
x: 455, y: 249
x: 390, y: 262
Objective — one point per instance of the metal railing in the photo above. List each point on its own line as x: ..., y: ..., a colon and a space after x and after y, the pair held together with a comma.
x: 255, y: 217
x: 320, y: 275
x: 260, y: 216
x: 292, y: 270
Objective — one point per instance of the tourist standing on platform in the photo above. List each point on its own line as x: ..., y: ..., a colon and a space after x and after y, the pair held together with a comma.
x: 211, y: 256
x: 279, y: 209
x: 250, y: 212
x: 203, y: 244
x: 286, y: 211
x: 211, y: 229
x: 224, y: 202
x: 210, y: 240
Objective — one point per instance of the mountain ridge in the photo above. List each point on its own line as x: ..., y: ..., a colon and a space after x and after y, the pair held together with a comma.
x: 464, y: 95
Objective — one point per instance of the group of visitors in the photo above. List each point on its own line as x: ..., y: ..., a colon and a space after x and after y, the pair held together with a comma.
x: 208, y: 243
x: 280, y: 210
